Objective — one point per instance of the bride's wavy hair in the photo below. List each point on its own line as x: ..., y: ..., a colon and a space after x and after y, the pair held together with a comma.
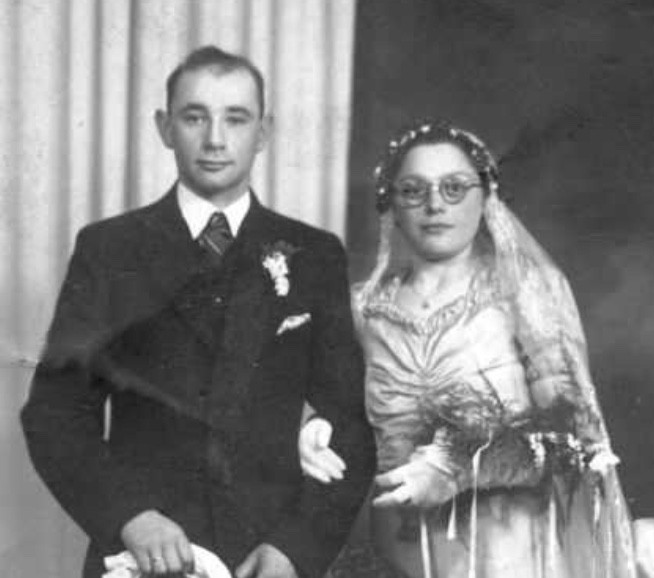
x: 432, y: 132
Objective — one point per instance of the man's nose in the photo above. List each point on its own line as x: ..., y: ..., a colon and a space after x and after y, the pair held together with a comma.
x: 215, y: 135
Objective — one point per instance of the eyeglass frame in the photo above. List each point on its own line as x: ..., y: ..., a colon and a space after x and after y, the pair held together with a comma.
x: 440, y: 185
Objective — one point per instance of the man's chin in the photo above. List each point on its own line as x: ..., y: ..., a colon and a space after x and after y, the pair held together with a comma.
x: 216, y: 190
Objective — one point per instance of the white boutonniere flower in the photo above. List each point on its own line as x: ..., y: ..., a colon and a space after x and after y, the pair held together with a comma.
x: 276, y: 259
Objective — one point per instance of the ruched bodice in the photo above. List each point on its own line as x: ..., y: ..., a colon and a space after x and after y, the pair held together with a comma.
x: 458, y: 367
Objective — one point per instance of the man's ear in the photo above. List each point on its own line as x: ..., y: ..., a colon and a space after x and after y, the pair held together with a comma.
x: 162, y: 120
x: 265, y: 131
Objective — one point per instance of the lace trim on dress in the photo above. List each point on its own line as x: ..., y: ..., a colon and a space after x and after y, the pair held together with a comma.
x: 484, y: 288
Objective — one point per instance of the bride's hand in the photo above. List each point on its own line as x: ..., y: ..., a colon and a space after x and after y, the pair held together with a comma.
x: 317, y: 459
x: 644, y: 545
x: 424, y: 482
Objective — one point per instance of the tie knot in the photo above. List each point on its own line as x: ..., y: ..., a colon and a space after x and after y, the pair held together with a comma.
x: 218, y: 224
x: 216, y: 237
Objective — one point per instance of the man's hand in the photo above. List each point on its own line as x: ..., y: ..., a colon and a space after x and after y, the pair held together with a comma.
x: 266, y: 561
x: 157, y: 543
x: 644, y: 546
x: 317, y: 459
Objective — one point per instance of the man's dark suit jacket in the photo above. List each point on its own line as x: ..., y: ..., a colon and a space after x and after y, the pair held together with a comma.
x: 206, y: 396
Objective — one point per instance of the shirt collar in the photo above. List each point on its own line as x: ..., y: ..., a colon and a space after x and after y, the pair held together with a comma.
x: 197, y: 211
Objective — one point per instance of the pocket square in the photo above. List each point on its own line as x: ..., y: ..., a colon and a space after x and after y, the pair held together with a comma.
x: 293, y: 322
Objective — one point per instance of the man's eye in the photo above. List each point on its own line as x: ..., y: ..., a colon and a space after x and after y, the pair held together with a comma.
x: 193, y: 118
x: 237, y: 120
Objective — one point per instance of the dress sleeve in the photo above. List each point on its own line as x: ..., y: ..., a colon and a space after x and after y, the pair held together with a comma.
x: 506, y: 461
x: 565, y: 423
x: 552, y: 340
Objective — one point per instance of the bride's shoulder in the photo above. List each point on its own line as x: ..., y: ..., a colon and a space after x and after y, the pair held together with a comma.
x: 367, y: 293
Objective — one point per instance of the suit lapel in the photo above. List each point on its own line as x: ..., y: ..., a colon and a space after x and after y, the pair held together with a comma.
x: 251, y: 314
x: 169, y: 251
x: 176, y: 268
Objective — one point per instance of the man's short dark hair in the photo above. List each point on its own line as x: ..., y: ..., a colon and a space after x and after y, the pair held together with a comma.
x: 212, y: 56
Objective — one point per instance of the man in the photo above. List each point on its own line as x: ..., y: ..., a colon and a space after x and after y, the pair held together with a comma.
x: 207, y: 333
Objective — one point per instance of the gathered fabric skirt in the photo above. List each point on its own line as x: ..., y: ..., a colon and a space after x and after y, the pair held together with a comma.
x: 516, y: 533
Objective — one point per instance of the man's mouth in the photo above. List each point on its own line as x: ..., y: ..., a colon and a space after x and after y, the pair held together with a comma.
x: 213, y: 166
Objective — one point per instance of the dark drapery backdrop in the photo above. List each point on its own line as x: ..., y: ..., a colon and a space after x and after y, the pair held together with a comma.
x: 564, y: 94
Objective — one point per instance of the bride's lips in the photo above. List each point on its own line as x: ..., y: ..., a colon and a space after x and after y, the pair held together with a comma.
x: 435, y: 228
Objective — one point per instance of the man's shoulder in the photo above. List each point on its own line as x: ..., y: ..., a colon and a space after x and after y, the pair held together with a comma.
x: 117, y: 241
x: 124, y: 228
x: 302, y: 234
x: 119, y: 225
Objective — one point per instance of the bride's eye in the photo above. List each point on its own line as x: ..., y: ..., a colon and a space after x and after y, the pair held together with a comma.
x: 411, y: 191
x: 455, y: 189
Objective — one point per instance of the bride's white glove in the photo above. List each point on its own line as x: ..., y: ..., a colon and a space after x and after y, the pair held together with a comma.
x: 317, y: 459
x: 644, y: 545
x: 427, y: 480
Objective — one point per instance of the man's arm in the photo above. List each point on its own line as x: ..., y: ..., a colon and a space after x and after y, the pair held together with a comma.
x: 313, y: 536
x: 63, y: 418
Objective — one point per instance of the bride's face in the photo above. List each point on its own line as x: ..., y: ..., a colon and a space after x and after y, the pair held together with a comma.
x: 438, y: 201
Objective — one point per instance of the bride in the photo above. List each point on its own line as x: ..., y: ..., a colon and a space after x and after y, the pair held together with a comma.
x: 493, y: 457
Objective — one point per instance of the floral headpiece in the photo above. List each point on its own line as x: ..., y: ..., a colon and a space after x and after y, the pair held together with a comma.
x: 427, y: 132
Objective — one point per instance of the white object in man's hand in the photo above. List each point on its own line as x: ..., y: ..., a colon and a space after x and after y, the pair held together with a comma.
x: 317, y: 459
x: 266, y: 561
x: 158, y: 544
x: 644, y: 546
x: 207, y: 565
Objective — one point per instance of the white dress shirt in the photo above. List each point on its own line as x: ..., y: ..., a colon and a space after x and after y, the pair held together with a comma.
x: 197, y: 211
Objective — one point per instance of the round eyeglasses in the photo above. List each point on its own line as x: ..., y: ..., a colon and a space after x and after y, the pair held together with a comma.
x: 414, y: 192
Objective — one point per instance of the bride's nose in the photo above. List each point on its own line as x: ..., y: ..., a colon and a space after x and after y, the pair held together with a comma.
x: 434, y: 203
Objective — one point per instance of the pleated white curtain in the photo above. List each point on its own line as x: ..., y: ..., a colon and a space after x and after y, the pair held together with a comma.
x: 80, y: 80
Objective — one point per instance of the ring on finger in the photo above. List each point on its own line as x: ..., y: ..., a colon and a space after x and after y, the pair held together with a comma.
x: 157, y: 561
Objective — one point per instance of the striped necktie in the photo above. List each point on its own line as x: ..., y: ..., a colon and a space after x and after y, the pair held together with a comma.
x: 216, y: 237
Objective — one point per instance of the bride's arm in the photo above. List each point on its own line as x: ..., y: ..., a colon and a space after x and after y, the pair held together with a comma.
x: 508, y: 461
x: 317, y: 459
x: 644, y: 546
x: 439, y: 471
